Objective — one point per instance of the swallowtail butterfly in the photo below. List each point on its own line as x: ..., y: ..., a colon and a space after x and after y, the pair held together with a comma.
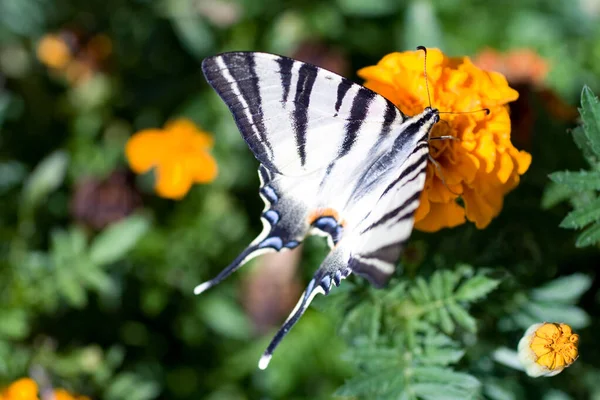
x: 336, y: 159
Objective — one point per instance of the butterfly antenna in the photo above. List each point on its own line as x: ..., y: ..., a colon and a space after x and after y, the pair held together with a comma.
x: 425, y: 72
x: 486, y: 110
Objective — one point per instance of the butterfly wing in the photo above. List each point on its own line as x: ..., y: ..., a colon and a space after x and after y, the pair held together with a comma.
x: 382, y: 235
x: 322, y: 142
x: 283, y: 108
x: 296, y: 117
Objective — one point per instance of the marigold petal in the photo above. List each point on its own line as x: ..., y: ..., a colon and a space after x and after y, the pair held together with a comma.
x: 204, y: 168
x: 145, y: 149
x: 173, y: 179
x: 441, y: 215
x: 481, y: 208
x: 187, y: 131
x: 22, y: 389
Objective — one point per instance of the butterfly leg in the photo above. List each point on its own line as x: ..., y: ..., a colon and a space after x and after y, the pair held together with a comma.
x: 331, y: 272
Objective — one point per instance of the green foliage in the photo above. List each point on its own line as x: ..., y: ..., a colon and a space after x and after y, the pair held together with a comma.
x: 582, y: 187
x: 402, y: 348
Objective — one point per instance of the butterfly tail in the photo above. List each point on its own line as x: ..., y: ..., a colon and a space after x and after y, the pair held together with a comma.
x: 331, y: 272
x: 249, y: 253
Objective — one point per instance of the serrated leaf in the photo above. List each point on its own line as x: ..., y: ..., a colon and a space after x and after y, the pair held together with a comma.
x: 554, y: 194
x: 379, y: 383
x: 589, y: 236
x: 423, y: 289
x: 446, y: 322
x: 445, y: 375
x: 450, y: 279
x: 441, y: 356
x: 437, y: 391
x: 566, y: 290
x: 581, y: 140
x: 462, y: 317
x: 476, y: 288
x: 590, y: 114
x: 116, y: 240
x: 581, y: 217
x: 437, y: 285
x: 577, y: 180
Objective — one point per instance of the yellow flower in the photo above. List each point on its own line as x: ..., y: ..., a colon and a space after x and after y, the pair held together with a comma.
x: 62, y: 394
x: 22, y: 389
x: 548, y: 348
x: 178, y: 153
x: 482, y: 165
x: 53, y: 51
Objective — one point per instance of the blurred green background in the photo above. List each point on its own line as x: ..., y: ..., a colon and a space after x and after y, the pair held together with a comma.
x: 97, y: 272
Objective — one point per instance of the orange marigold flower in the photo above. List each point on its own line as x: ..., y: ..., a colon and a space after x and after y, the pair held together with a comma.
x: 62, y: 394
x: 22, y: 389
x: 518, y: 65
x: 53, y: 51
x: 483, y: 165
x: 548, y: 348
x: 179, y: 154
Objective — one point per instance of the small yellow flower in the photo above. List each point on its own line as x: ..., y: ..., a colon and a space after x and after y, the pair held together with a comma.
x: 482, y: 165
x: 548, y: 348
x: 62, y: 394
x: 22, y: 389
x: 53, y: 51
x: 179, y: 153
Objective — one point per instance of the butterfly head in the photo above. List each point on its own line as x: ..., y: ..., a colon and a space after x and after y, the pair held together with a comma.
x: 434, y: 113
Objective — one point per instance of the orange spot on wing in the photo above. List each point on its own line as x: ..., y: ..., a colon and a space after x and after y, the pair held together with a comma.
x: 325, y: 212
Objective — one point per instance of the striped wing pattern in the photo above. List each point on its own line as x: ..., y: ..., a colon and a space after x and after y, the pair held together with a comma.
x: 336, y: 159
x: 283, y: 107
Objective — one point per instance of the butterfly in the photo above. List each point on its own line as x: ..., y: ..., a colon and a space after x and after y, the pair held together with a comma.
x: 336, y: 160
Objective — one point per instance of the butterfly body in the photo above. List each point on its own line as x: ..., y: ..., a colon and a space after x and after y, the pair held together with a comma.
x: 336, y: 159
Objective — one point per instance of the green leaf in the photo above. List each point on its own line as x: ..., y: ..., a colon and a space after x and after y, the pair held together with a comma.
x: 445, y: 375
x: 589, y: 236
x: 552, y: 312
x: 590, y: 114
x: 224, y: 316
x: 420, y: 26
x: 193, y: 31
x: 476, y: 288
x: 565, y: 290
x: 461, y: 316
x: 581, y: 217
x: 581, y: 180
x: 437, y: 285
x: 116, y: 240
x: 390, y: 380
x: 47, y: 176
x: 446, y: 322
x: 581, y: 140
x: 554, y: 194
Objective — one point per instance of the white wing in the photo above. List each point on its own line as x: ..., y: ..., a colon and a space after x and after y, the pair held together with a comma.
x: 297, y: 117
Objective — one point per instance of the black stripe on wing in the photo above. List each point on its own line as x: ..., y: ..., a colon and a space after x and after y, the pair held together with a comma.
x: 273, y: 98
x: 304, y: 87
x: 242, y: 96
x: 358, y: 113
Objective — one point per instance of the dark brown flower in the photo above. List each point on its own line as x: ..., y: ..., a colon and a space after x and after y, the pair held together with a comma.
x: 97, y: 203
